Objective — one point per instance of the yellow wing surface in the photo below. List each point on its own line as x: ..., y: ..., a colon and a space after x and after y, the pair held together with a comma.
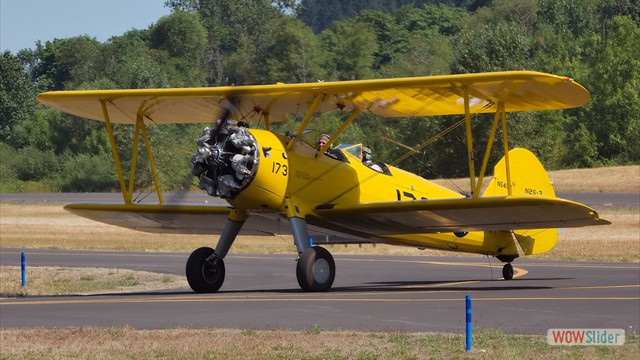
x: 180, y: 219
x: 449, y: 215
x: 363, y: 220
x: 401, y: 97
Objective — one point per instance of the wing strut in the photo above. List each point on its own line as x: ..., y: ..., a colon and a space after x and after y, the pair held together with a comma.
x: 140, y: 127
x: 485, y: 160
x: 505, y: 140
x: 344, y: 126
x: 267, y: 121
x: 305, y: 121
x: 500, y: 114
x: 114, y: 150
x: 154, y: 171
x: 467, y: 119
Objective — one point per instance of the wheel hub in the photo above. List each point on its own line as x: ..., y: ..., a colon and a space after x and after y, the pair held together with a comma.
x: 210, y: 271
x: 321, y: 271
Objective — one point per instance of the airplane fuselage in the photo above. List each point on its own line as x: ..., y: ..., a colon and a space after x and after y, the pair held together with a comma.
x: 294, y: 181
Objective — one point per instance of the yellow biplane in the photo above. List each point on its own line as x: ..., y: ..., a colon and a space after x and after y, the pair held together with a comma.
x: 278, y: 183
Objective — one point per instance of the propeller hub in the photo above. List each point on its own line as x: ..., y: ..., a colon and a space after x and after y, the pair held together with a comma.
x: 227, y: 159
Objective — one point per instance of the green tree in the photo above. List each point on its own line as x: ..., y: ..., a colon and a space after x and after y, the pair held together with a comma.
x: 236, y: 29
x: 16, y: 96
x: 522, y: 13
x: 292, y: 54
x: 351, y: 45
x: 614, y: 115
x: 319, y: 14
x: 390, y: 37
x: 184, y: 39
x: 567, y: 36
x: 446, y: 20
x: 428, y: 53
x: 181, y: 35
x: 503, y: 46
x: 130, y: 63
x: 65, y: 63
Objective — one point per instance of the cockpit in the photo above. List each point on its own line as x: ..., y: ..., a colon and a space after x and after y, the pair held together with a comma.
x: 344, y: 151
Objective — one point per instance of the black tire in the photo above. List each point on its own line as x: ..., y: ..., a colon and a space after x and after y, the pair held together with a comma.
x: 205, y: 276
x: 507, y: 272
x: 315, y: 270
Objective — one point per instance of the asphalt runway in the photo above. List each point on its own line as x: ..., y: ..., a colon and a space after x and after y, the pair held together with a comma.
x: 371, y: 293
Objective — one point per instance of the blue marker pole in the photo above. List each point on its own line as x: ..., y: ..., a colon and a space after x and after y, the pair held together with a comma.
x: 467, y: 299
x: 23, y: 267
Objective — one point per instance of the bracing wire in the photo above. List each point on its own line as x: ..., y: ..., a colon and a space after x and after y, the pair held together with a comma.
x: 412, y: 152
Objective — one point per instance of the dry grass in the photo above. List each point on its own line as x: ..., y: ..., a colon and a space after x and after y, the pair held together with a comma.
x: 625, y: 179
x: 53, y: 228
x: 63, y: 281
x: 619, y: 241
x: 314, y: 343
x: 621, y: 179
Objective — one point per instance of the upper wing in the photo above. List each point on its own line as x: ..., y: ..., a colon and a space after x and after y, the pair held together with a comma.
x: 448, y: 215
x: 401, y: 97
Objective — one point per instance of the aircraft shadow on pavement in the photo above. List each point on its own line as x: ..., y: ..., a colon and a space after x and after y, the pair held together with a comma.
x: 434, y: 286
x: 382, y: 286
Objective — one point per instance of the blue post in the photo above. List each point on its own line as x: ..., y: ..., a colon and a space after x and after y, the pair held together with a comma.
x: 468, y: 333
x: 23, y: 267
x: 310, y: 240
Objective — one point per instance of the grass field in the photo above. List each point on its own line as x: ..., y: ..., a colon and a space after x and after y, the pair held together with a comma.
x: 314, y: 343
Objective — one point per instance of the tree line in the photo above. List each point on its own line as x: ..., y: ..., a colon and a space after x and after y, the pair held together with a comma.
x: 219, y: 42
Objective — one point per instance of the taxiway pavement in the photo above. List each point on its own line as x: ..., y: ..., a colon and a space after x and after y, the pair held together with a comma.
x: 370, y: 293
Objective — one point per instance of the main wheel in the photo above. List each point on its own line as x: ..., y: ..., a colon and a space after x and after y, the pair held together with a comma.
x: 507, y: 271
x: 315, y: 269
x: 205, y: 276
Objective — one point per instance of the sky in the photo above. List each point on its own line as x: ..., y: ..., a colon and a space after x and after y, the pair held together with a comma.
x: 23, y: 22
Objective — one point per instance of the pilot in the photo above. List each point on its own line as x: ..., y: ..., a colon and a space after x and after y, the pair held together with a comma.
x: 322, y: 141
x: 366, y: 159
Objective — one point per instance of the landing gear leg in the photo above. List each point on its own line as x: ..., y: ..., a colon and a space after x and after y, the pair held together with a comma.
x: 205, y: 267
x: 316, y: 268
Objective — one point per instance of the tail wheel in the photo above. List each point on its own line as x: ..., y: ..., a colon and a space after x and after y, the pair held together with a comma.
x: 205, y: 275
x: 315, y: 270
x: 507, y: 271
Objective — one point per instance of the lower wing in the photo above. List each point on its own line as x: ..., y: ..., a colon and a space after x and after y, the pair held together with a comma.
x: 183, y: 219
x: 448, y: 215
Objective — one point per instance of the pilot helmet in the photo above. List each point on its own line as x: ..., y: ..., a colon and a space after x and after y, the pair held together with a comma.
x: 366, y: 153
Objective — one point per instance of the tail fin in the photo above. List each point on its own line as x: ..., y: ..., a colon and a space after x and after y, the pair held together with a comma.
x: 528, y: 177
